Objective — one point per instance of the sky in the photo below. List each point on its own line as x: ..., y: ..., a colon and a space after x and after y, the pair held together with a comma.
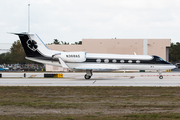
x: 74, y: 20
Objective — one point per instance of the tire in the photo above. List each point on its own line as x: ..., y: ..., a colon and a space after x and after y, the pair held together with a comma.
x: 87, y: 77
x: 160, y: 77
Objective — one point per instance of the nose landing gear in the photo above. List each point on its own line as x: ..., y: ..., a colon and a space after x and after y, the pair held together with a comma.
x: 160, y: 75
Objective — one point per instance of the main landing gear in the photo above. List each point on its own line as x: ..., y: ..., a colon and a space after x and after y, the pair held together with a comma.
x: 88, y: 74
x: 160, y: 75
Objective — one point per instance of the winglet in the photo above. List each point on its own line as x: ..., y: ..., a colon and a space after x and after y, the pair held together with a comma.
x: 64, y: 65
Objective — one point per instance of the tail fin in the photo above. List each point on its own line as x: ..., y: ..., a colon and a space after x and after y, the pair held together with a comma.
x: 34, y: 46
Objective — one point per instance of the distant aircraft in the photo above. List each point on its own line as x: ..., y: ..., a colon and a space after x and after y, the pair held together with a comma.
x: 37, y: 51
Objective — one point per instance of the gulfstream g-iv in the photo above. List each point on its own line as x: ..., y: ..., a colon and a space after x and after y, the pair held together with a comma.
x: 37, y: 51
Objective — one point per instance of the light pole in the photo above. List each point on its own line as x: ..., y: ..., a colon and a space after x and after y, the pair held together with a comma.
x: 28, y: 17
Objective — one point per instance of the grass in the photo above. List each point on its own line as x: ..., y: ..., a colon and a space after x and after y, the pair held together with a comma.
x: 99, y: 103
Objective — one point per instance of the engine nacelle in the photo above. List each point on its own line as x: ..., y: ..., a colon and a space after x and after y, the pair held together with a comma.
x: 73, y: 56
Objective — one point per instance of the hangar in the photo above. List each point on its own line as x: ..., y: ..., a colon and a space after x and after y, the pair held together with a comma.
x: 159, y: 47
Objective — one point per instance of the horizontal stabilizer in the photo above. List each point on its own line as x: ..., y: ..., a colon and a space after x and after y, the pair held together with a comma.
x: 22, y: 33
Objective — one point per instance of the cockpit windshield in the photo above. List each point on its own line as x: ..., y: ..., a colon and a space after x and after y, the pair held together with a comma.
x: 159, y: 59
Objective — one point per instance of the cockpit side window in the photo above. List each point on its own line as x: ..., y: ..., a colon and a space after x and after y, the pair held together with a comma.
x: 159, y: 59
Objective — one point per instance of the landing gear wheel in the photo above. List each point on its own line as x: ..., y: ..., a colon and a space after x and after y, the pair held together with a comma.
x: 87, y: 77
x: 160, y: 77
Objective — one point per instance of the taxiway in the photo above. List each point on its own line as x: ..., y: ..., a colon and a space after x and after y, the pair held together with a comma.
x: 98, y: 79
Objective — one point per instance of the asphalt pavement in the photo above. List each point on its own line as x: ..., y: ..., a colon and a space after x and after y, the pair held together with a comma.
x: 98, y: 79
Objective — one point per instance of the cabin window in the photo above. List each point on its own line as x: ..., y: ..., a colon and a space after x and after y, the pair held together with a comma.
x: 114, y: 61
x: 137, y: 61
x: 130, y: 61
x: 122, y: 61
x: 98, y: 60
x: 106, y: 60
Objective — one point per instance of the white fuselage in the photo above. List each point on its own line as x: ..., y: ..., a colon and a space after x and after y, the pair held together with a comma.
x: 110, y: 62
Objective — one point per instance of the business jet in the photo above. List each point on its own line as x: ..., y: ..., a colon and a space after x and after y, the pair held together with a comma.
x: 37, y: 51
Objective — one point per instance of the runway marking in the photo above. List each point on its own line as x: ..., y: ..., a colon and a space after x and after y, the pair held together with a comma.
x: 156, y: 75
x: 131, y: 77
x: 94, y: 81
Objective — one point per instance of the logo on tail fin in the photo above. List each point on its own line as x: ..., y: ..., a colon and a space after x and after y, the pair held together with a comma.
x: 32, y: 45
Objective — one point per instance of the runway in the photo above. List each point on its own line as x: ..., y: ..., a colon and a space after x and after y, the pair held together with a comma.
x: 98, y: 79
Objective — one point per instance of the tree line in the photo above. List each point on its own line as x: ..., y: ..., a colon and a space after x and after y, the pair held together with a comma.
x: 174, y: 52
x: 57, y: 42
x: 17, y: 54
